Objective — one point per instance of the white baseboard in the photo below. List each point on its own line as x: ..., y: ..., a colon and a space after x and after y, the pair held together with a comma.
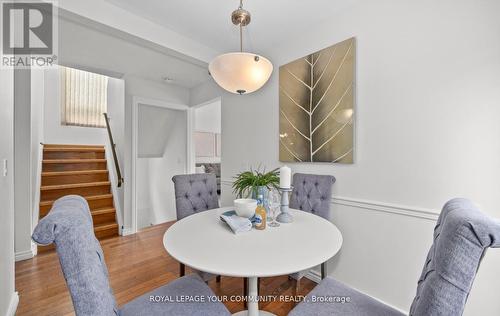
x: 34, y: 249
x: 127, y: 231
x: 315, y: 276
x: 26, y: 254
x: 14, y: 301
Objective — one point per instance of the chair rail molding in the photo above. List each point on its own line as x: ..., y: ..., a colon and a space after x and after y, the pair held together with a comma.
x: 387, y: 207
x: 378, y: 206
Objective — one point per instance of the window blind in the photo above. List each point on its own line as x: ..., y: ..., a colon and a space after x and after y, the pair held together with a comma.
x: 83, y: 98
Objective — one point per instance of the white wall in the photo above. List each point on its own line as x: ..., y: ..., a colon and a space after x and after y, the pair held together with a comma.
x: 207, y: 118
x: 28, y: 125
x: 426, y: 131
x: 116, y: 111
x: 116, y: 115
x: 8, y: 298
x: 54, y: 132
x: 22, y: 167
x: 37, y: 106
x: 154, y: 172
x: 143, y: 199
x: 154, y: 130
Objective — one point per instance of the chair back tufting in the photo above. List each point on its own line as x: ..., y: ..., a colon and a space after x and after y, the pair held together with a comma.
x: 312, y: 193
x: 69, y: 226
x: 461, y: 236
x: 195, y: 193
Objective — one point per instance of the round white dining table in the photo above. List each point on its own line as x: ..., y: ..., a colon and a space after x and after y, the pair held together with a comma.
x: 203, y: 242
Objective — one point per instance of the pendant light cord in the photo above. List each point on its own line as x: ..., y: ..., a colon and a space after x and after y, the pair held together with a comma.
x: 241, y: 38
x: 241, y: 29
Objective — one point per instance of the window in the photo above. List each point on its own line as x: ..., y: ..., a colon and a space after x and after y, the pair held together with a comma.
x: 83, y: 98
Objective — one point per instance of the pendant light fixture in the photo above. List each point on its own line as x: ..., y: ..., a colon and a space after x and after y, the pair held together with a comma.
x: 240, y: 72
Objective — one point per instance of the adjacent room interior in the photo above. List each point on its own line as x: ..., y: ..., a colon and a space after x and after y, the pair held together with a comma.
x: 207, y: 139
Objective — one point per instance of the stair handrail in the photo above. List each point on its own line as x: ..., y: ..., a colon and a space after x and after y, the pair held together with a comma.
x: 113, y: 149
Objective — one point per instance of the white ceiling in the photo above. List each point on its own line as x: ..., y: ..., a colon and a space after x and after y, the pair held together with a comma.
x: 91, y: 46
x: 208, y: 21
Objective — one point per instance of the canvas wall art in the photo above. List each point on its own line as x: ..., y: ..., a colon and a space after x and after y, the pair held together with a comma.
x: 316, y: 101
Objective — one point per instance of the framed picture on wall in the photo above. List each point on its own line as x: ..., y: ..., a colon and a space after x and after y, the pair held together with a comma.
x: 316, y: 99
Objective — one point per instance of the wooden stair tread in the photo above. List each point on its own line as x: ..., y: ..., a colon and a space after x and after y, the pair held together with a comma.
x: 82, y: 160
x: 71, y: 146
x: 76, y: 149
x: 103, y: 210
x: 88, y: 198
x: 71, y: 172
x: 74, y: 185
x: 105, y: 226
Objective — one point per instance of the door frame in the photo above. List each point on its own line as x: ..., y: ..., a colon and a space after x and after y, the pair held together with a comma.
x: 136, y: 101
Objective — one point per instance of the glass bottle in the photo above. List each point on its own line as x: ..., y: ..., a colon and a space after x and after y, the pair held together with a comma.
x: 260, y: 214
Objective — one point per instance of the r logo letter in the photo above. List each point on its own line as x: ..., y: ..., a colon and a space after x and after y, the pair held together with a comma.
x: 27, y: 28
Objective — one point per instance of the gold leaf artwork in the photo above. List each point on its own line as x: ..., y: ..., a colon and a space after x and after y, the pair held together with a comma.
x: 316, y: 97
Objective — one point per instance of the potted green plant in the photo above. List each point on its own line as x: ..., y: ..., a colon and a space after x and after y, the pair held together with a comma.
x: 255, y: 182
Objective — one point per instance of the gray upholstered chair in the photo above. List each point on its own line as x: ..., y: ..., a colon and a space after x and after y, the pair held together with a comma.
x: 213, y: 168
x: 461, y: 237
x: 69, y: 226
x: 313, y: 194
x: 195, y: 193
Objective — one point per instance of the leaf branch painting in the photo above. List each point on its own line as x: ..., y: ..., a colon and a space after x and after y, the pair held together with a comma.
x: 316, y: 97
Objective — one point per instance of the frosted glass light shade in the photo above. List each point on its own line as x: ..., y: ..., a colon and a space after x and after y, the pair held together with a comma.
x: 240, y: 72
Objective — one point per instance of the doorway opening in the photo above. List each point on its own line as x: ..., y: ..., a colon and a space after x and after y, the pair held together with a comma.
x: 207, y: 139
x: 160, y: 151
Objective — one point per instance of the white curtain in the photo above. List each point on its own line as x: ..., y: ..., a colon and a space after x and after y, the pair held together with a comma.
x: 83, y: 98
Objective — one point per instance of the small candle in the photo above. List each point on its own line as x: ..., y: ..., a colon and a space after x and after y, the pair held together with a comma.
x: 285, y: 177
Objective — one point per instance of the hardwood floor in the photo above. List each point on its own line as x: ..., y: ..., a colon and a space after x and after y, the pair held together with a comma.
x: 137, y: 264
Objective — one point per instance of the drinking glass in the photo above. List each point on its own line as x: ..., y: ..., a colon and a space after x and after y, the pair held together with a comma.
x: 274, y: 206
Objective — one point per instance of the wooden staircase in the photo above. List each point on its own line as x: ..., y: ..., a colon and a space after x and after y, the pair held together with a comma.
x: 80, y: 170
